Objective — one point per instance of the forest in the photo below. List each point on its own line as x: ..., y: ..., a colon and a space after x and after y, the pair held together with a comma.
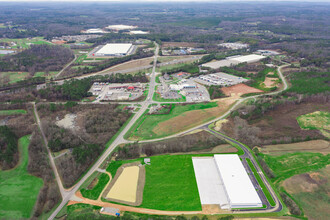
x: 38, y: 58
x: 95, y: 126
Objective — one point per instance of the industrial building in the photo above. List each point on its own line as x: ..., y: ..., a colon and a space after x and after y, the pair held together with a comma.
x: 120, y: 27
x: 115, y: 50
x: 233, y: 60
x: 223, y: 180
x: 219, y: 79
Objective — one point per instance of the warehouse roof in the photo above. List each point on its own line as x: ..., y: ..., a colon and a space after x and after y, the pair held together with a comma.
x: 248, y: 58
x: 238, y: 185
x: 114, y: 49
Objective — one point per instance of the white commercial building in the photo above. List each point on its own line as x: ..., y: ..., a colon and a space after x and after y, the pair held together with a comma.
x: 120, y: 27
x: 115, y: 50
x: 248, y: 58
x: 223, y: 180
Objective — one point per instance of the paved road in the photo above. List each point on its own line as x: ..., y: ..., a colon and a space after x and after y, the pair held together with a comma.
x: 67, y: 194
x: 144, y: 105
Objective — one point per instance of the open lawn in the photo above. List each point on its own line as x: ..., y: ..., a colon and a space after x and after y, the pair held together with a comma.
x: 18, y: 189
x: 13, y: 112
x: 171, y: 184
x: 146, y: 127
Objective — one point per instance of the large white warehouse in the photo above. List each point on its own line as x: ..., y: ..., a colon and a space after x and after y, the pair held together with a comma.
x: 223, y: 180
x: 115, y: 50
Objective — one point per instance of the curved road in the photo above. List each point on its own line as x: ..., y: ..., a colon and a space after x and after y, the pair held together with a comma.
x: 68, y: 193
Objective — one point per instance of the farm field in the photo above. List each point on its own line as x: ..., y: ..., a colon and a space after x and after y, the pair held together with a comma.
x: 18, y: 189
x: 13, y: 112
x: 146, y: 126
x: 24, y: 42
x: 316, y: 146
x: 311, y: 191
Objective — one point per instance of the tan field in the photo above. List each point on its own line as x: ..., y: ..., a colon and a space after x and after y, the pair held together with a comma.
x: 239, y: 89
x: 270, y: 82
x: 219, y: 123
x: 317, y: 146
x: 193, y: 118
x: 126, y: 185
x: 133, y: 64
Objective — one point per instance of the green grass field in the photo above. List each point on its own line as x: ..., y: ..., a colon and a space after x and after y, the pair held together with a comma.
x: 316, y: 121
x: 13, y: 112
x: 171, y: 184
x: 287, y: 165
x: 261, y: 183
x: 18, y: 189
x: 95, y: 192
x: 142, y: 129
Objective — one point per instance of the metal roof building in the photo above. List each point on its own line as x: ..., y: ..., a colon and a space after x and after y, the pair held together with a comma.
x: 238, y: 186
x: 115, y: 50
x: 223, y: 180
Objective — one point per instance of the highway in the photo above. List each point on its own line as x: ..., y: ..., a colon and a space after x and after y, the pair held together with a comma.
x: 68, y: 193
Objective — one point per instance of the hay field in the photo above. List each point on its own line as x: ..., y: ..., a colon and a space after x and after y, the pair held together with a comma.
x: 125, y: 186
x: 317, y: 146
x: 18, y: 189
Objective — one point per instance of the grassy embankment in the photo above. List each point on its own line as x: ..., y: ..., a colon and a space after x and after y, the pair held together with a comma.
x: 94, y: 192
x: 143, y: 127
x: 18, y: 189
x: 261, y: 183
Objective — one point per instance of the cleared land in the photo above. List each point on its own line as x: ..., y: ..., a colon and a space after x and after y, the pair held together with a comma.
x: 18, y: 189
x: 190, y: 119
x: 133, y: 64
x: 152, y: 126
x: 239, y: 89
x: 316, y: 121
x: 316, y: 146
x: 179, y: 44
x: 24, y: 42
x: 14, y: 77
x: 311, y: 191
x: 125, y: 186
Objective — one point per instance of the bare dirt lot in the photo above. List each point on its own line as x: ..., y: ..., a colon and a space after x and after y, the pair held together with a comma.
x: 133, y: 64
x: 317, y: 146
x: 193, y: 118
x: 270, y: 82
x: 179, y: 44
x: 239, y: 89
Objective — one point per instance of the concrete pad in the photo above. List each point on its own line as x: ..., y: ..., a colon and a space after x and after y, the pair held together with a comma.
x: 210, y: 187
